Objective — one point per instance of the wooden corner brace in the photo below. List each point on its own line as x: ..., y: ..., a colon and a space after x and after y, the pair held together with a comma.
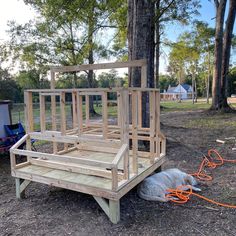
x: 110, y: 207
x: 21, y: 185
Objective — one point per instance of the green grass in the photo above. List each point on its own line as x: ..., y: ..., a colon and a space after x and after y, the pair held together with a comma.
x: 185, y: 105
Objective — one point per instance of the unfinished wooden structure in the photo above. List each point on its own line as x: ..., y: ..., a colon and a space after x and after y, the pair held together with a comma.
x: 92, y: 156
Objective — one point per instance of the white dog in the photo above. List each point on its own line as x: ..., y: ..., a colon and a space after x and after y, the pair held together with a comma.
x: 154, y: 188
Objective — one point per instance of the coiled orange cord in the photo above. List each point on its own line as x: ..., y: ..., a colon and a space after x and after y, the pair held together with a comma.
x: 213, y: 160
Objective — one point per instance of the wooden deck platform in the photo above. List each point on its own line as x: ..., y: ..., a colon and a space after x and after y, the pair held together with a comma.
x: 96, y: 158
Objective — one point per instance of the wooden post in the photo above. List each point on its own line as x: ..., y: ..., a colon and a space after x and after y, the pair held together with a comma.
x: 139, y: 109
x: 124, y: 128
x: 80, y: 113
x: 158, y: 143
x: 74, y: 112
x: 114, y: 211
x: 134, y: 132
x: 53, y: 110
x: 29, y: 118
x: 144, y: 76
x: 119, y: 115
x: 21, y: 185
x: 104, y: 114
x: 152, y: 104
x: 42, y: 113
x: 87, y: 110
x: 63, y: 114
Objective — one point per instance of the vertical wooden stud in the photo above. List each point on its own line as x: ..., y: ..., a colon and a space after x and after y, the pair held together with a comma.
x: 42, y: 113
x: 104, y: 115
x: 114, y: 211
x: 139, y: 93
x: 152, y: 103
x: 134, y: 132
x: 63, y: 114
x: 80, y: 113
x: 53, y: 110
x: 87, y: 110
x: 74, y: 112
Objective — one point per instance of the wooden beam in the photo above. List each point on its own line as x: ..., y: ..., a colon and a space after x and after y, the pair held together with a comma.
x: 101, y: 66
x: 42, y: 113
x: 64, y: 158
x: 87, y: 110
x: 104, y: 114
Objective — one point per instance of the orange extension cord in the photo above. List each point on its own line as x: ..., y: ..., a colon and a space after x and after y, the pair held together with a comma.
x: 213, y: 160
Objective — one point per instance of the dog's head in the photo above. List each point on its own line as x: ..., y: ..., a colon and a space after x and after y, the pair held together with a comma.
x: 190, y: 180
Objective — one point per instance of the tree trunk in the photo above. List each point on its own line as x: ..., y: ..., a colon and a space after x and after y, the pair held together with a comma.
x: 157, y: 47
x: 90, y: 57
x: 228, y: 34
x: 141, y: 45
x: 216, y: 83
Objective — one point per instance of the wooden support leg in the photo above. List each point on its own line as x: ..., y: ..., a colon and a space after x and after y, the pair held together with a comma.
x: 110, y: 207
x: 20, y: 187
x: 114, y: 210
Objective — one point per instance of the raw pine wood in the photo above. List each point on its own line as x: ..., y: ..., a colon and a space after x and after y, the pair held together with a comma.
x: 87, y: 110
x: 134, y: 131
x: 42, y: 113
x: 98, y: 159
x: 104, y: 114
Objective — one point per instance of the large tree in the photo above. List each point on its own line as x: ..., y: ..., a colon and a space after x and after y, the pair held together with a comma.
x: 223, y: 41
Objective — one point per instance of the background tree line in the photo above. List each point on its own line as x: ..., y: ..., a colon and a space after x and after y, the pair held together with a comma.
x: 81, y: 32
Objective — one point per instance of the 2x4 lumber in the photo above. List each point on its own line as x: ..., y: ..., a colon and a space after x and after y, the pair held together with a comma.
x: 134, y: 132
x: 114, y: 211
x: 102, y: 192
x: 80, y: 113
x: 53, y: 82
x: 114, y: 172
x: 20, y: 187
x: 63, y: 114
x: 88, y: 147
x: 71, y: 167
x: 29, y: 118
x: 42, y: 113
x: 58, y: 137
x: 119, y: 115
x: 152, y: 104
x: 120, y: 154
x: 91, y: 93
x: 144, y: 76
x: 23, y: 164
x: 104, y: 114
x: 87, y: 110
x: 110, y: 90
x: 104, y: 204
x: 74, y: 112
x: 13, y: 160
x: 101, y: 66
x: 157, y: 111
x: 139, y: 94
x: 50, y: 94
x: 66, y: 159
x: 54, y: 119
x: 21, y: 141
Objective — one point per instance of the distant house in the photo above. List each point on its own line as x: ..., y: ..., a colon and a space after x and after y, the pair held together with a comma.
x: 180, y: 92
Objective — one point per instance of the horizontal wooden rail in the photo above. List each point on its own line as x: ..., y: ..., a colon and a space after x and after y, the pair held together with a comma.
x: 101, y: 66
x: 67, y: 159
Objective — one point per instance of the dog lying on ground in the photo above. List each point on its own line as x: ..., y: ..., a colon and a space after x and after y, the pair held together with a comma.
x: 154, y: 188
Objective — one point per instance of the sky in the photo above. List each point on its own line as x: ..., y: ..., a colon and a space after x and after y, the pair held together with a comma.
x: 21, y: 13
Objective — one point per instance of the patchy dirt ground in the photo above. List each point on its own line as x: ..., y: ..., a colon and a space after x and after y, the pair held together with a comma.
x: 52, y: 211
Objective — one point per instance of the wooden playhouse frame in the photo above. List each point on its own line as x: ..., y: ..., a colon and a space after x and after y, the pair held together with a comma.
x: 95, y: 158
